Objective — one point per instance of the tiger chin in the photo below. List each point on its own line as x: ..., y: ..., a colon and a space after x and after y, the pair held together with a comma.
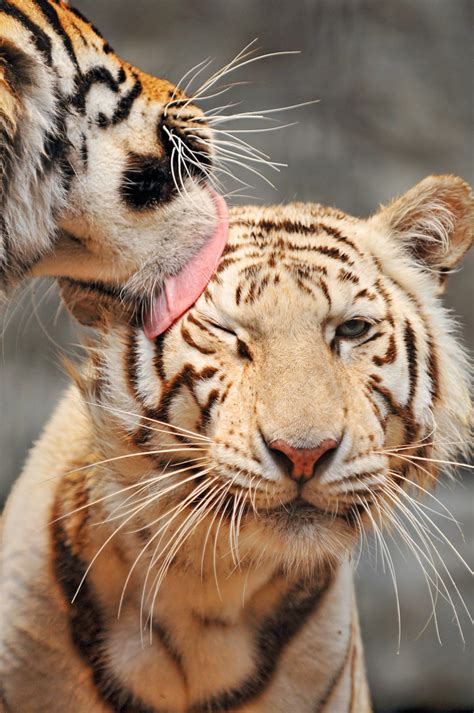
x: 181, y: 538
x: 100, y: 184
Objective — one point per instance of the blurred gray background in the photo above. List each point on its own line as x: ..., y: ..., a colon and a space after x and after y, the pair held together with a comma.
x: 395, y: 82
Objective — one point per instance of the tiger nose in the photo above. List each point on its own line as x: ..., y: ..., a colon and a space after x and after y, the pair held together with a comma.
x: 301, y: 462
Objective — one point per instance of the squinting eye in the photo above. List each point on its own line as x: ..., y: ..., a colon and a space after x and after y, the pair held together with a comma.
x: 352, y: 329
x: 222, y: 329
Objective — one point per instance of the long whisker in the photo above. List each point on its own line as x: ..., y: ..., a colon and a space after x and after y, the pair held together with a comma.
x: 180, y: 536
x: 413, y: 547
x: 206, y: 63
x: 199, y: 67
x: 216, y: 513
x: 421, y: 531
x: 228, y: 152
x: 125, y: 456
x: 214, y: 550
x: 255, y: 131
x: 115, y: 409
x: 411, y: 483
x: 260, y: 113
x: 445, y: 539
x: 384, y: 549
x: 139, y: 484
x: 433, y: 460
x: 235, y: 67
x: 177, y: 508
x: 152, y: 499
x: 421, y: 443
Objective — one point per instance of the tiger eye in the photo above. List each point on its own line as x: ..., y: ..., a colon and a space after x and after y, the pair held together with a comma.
x: 352, y: 329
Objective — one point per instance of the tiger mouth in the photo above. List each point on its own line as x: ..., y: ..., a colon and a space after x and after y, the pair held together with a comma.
x: 299, y: 507
x: 129, y: 300
x: 302, y: 511
x: 181, y: 291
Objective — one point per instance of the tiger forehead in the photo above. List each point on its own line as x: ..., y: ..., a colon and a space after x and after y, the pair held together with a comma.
x: 303, y: 239
x: 280, y: 258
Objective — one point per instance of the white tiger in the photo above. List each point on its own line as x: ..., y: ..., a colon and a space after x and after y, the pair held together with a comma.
x: 181, y: 537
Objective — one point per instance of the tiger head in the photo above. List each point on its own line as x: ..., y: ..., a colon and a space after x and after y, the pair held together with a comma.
x: 104, y: 170
x: 312, y: 382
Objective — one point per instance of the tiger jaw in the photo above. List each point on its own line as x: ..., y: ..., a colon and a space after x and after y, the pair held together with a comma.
x: 168, y: 241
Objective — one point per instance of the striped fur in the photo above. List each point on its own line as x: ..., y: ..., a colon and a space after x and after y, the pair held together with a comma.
x: 233, y: 582
x: 86, y: 185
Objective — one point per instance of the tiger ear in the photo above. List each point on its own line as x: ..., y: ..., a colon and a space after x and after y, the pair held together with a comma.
x: 96, y: 305
x: 434, y: 220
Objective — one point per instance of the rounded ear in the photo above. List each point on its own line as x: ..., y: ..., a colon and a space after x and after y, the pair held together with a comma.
x: 95, y: 304
x: 434, y: 220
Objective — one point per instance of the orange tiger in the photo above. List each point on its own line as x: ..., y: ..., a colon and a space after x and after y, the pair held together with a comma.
x: 99, y: 177
x: 180, y: 540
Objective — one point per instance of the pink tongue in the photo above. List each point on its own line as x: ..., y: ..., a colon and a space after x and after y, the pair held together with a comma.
x: 182, y: 290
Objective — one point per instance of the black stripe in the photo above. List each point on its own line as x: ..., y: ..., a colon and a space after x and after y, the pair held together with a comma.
x: 412, y: 357
x: 345, y: 275
x: 5, y: 248
x: 297, y: 228
x: 51, y: 15
x: 56, y: 147
x: 187, y: 377
x: 40, y: 39
x: 274, y: 635
x: 433, y: 369
x: 186, y: 335
x: 82, y: 17
x: 131, y: 366
x: 333, y: 253
x: 125, y: 104
x: 388, y: 398
x: 325, y: 290
x: 96, y: 75
x: 372, y: 338
x: 206, y: 409
x: 84, y: 151
x: 158, y: 360
x: 87, y: 626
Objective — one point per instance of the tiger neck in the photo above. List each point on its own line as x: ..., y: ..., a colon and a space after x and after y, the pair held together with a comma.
x: 255, y: 631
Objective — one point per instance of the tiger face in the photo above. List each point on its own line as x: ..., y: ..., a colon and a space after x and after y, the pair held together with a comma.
x: 315, y: 378
x: 104, y: 170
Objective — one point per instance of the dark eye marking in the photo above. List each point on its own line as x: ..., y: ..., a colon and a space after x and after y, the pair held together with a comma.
x: 221, y: 328
x: 243, y: 350
x: 146, y: 182
x: 373, y: 337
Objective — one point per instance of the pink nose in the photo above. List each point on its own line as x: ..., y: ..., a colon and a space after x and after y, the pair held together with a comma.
x: 302, y: 461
